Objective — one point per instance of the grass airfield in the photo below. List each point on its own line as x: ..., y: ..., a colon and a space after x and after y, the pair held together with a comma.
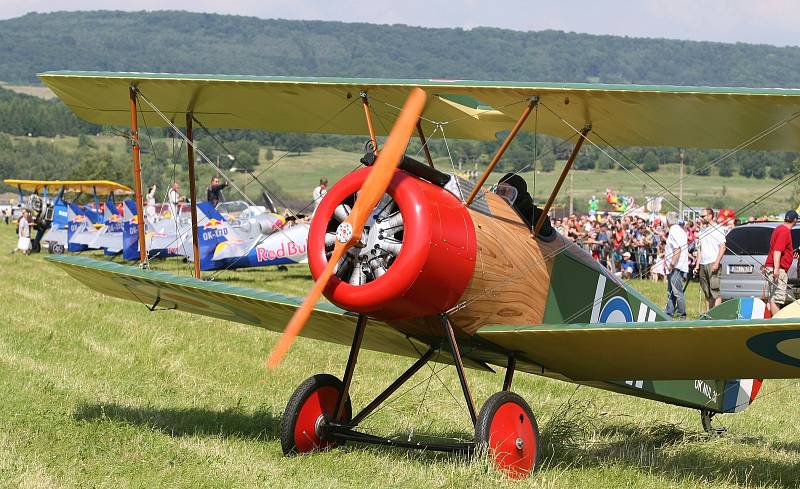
x: 100, y: 392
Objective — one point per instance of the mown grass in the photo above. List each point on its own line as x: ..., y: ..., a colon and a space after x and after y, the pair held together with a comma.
x: 100, y: 392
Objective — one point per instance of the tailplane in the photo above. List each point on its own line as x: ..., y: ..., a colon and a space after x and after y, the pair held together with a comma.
x: 739, y: 393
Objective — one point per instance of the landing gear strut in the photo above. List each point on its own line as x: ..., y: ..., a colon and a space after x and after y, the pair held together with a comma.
x: 319, y: 416
x: 707, y: 418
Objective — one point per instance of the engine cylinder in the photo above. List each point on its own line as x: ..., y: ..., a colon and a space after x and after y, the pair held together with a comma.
x: 416, y: 256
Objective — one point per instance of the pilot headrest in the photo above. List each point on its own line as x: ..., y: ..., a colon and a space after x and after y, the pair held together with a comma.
x: 515, y: 181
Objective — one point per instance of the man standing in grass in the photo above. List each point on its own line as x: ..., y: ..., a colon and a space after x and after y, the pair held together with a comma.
x: 711, y: 246
x: 319, y: 192
x: 676, y: 256
x: 779, y: 260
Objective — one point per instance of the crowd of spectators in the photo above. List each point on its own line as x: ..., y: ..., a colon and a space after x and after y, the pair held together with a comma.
x: 630, y: 246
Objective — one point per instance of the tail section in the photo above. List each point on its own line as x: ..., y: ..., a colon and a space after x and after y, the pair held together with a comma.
x: 738, y: 394
x: 130, y: 239
x: 212, y: 229
x: 76, y: 223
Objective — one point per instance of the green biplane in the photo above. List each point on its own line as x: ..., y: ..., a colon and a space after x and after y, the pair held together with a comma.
x: 418, y: 261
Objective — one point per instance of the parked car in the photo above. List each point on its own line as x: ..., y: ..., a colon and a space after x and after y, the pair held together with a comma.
x: 745, y: 254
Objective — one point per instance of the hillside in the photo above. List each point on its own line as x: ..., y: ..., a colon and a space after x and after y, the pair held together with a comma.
x: 190, y: 42
x: 172, y: 41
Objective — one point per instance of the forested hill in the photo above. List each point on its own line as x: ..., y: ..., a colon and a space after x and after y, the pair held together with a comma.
x: 209, y: 43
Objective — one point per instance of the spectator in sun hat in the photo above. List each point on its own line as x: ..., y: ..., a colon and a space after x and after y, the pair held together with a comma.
x: 627, y: 266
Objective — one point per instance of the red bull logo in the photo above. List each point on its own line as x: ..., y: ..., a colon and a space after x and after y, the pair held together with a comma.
x: 212, y: 224
x: 285, y: 250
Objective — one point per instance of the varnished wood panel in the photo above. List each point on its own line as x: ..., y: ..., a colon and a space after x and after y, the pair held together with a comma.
x: 512, y: 272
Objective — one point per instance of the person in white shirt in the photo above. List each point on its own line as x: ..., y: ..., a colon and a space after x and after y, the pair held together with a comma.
x: 173, y: 197
x: 150, y: 208
x: 676, y: 256
x: 711, y: 245
x: 319, y: 192
x: 24, y: 231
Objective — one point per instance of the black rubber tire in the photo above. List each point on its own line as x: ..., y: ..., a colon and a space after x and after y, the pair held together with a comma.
x: 484, y: 423
x: 56, y: 249
x: 292, y: 412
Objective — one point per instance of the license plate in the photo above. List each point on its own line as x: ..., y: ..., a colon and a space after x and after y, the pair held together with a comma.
x: 740, y: 268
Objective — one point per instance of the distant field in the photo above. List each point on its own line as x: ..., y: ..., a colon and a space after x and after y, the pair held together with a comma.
x: 98, y: 392
x: 35, y: 90
x: 297, y: 175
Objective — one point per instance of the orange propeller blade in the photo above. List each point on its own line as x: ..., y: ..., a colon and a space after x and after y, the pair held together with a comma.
x: 382, y: 172
x: 349, y: 232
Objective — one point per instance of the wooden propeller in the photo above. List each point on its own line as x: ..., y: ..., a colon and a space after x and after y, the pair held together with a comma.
x: 348, y: 234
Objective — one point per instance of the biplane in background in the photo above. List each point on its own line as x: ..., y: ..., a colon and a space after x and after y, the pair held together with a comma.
x: 63, y: 224
x: 240, y: 235
x: 418, y: 261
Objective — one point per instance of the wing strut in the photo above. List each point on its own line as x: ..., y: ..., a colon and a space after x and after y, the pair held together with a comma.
x: 137, y: 176
x: 424, y: 144
x: 192, y: 195
x: 370, y: 126
x: 533, y: 102
x: 564, y: 172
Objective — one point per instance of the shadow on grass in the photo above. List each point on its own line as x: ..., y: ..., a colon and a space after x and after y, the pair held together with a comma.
x: 576, y: 440
x: 261, y: 425
x: 570, y: 440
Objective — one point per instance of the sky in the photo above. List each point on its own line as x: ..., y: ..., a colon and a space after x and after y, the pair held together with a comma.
x: 775, y: 22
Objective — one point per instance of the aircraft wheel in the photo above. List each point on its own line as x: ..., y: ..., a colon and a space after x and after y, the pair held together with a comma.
x: 507, y: 428
x: 56, y: 249
x: 312, y: 403
x: 36, y: 247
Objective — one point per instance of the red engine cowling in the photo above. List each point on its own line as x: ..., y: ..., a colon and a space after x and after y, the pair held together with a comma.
x: 417, y: 254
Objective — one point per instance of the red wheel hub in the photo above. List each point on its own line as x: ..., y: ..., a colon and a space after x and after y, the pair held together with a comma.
x: 512, y: 440
x: 321, y: 402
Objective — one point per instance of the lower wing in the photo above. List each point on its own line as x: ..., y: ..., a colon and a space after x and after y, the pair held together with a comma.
x: 662, y: 350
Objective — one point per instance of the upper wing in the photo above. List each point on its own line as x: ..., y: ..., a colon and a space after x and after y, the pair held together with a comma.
x: 662, y: 350
x: 640, y: 115
x: 88, y: 186
x: 259, y: 308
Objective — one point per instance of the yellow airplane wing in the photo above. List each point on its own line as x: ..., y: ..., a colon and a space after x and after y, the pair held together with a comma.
x: 87, y: 186
x: 248, y: 306
x: 642, y: 115
x: 662, y: 350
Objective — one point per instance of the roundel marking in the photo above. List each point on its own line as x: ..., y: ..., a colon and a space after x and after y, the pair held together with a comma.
x: 616, y: 310
x: 780, y: 346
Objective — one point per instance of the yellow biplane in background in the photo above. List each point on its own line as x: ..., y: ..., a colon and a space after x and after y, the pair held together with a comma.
x: 64, y: 225
x: 418, y: 261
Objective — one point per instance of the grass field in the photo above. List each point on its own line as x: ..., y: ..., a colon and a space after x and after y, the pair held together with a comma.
x: 97, y: 392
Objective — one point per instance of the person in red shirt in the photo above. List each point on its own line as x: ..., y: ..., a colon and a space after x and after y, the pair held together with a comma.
x: 781, y: 251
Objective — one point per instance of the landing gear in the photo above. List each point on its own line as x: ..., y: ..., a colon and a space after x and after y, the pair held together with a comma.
x: 309, y: 409
x: 707, y: 418
x: 55, y: 248
x: 319, y: 416
x: 507, y: 429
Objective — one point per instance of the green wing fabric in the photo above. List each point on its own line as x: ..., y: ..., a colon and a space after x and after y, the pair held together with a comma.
x: 663, y: 350
x: 259, y: 308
